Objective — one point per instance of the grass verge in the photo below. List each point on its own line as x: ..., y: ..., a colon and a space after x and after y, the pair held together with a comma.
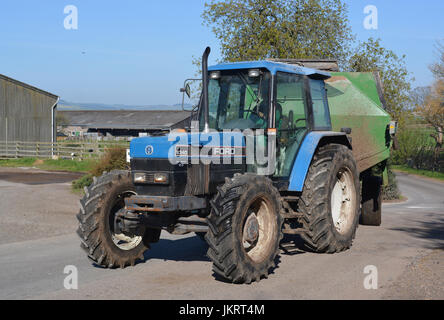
x: 49, y: 164
x: 420, y: 172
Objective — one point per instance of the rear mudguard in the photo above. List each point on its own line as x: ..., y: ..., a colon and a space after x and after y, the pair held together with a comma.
x: 305, y: 155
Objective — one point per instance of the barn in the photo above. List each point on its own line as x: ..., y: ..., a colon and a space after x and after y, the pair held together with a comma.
x: 122, y: 123
x: 26, y: 112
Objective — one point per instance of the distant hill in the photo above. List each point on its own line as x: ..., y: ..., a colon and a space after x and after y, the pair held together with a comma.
x: 72, y: 106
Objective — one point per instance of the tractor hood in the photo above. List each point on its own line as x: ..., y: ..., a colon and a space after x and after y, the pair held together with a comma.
x: 184, y: 145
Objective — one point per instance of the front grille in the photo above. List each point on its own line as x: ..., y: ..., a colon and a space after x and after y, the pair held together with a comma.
x: 154, y: 165
x: 177, y: 177
x: 149, y: 178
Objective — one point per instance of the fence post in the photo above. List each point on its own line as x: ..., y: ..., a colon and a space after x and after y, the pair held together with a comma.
x: 17, y: 146
x: 82, y: 151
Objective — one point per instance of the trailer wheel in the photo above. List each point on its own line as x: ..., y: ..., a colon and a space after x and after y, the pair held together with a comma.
x: 330, y: 201
x: 102, y: 200
x: 371, y: 201
x: 244, y: 228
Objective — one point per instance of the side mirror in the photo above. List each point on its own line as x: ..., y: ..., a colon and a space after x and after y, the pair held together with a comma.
x: 187, y: 90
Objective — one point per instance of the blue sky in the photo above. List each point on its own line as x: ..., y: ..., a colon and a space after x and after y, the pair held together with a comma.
x: 139, y: 52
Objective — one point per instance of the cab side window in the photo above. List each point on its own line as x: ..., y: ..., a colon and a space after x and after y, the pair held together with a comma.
x: 321, y: 114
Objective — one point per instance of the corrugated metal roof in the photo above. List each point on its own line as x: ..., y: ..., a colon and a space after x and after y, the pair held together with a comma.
x: 124, y: 119
x: 27, y: 86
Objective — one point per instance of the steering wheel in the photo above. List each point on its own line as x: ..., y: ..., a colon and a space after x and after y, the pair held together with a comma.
x: 256, y: 113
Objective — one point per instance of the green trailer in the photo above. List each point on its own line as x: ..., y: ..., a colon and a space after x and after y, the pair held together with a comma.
x: 356, y: 103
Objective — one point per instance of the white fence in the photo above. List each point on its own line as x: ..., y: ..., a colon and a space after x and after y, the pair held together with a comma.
x: 61, y: 150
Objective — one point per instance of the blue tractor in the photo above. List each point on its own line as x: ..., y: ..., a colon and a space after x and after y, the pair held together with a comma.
x: 207, y: 178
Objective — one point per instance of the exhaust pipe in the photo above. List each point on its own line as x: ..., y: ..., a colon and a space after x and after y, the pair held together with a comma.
x: 205, y: 88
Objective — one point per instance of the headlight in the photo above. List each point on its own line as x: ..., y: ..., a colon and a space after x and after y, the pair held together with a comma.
x: 140, y: 177
x: 160, y: 178
x: 150, y: 178
x: 254, y: 73
x: 215, y: 75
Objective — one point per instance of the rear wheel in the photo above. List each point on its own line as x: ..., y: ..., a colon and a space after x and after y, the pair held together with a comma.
x: 244, y: 228
x: 371, y: 201
x: 330, y: 201
x: 100, y: 238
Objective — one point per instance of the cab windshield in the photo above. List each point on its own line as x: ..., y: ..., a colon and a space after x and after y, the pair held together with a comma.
x: 238, y: 101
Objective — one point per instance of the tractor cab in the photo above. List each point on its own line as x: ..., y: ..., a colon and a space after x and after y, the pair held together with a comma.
x: 285, y: 100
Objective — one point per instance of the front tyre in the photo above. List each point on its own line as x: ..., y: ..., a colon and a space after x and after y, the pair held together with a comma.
x: 244, y: 228
x: 104, y: 245
x: 330, y: 201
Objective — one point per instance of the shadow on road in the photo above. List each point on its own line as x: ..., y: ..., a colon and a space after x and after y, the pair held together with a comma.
x: 427, y: 230
x: 188, y: 249
x: 292, y: 245
x: 194, y: 249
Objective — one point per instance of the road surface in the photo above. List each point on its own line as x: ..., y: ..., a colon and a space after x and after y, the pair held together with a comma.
x: 37, y: 241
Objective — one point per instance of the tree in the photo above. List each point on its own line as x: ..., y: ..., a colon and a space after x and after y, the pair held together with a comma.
x: 438, y: 67
x: 432, y: 111
x: 418, y: 97
x: 260, y: 29
x: 371, y: 56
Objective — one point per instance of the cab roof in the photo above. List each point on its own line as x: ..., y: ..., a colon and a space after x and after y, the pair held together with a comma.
x: 273, y: 67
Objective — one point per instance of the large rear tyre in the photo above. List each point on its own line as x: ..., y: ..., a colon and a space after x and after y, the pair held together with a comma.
x: 371, y: 201
x: 244, y: 228
x: 330, y: 201
x: 98, y: 209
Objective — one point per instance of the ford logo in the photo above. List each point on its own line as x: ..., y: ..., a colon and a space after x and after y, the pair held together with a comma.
x: 149, y: 150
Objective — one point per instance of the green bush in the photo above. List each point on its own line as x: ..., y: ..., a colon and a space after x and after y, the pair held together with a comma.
x: 85, y: 181
x: 416, y: 147
x: 113, y: 159
x: 391, y: 191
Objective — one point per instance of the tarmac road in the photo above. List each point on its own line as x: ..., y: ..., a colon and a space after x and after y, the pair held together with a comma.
x: 37, y: 241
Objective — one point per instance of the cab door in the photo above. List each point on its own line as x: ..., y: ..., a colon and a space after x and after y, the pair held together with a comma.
x: 291, y: 119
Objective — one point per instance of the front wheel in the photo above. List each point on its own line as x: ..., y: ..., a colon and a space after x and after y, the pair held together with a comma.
x: 101, y: 239
x: 244, y: 228
x: 330, y: 201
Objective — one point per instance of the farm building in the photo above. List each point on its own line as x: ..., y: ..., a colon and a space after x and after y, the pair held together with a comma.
x: 121, y: 123
x: 26, y: 112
